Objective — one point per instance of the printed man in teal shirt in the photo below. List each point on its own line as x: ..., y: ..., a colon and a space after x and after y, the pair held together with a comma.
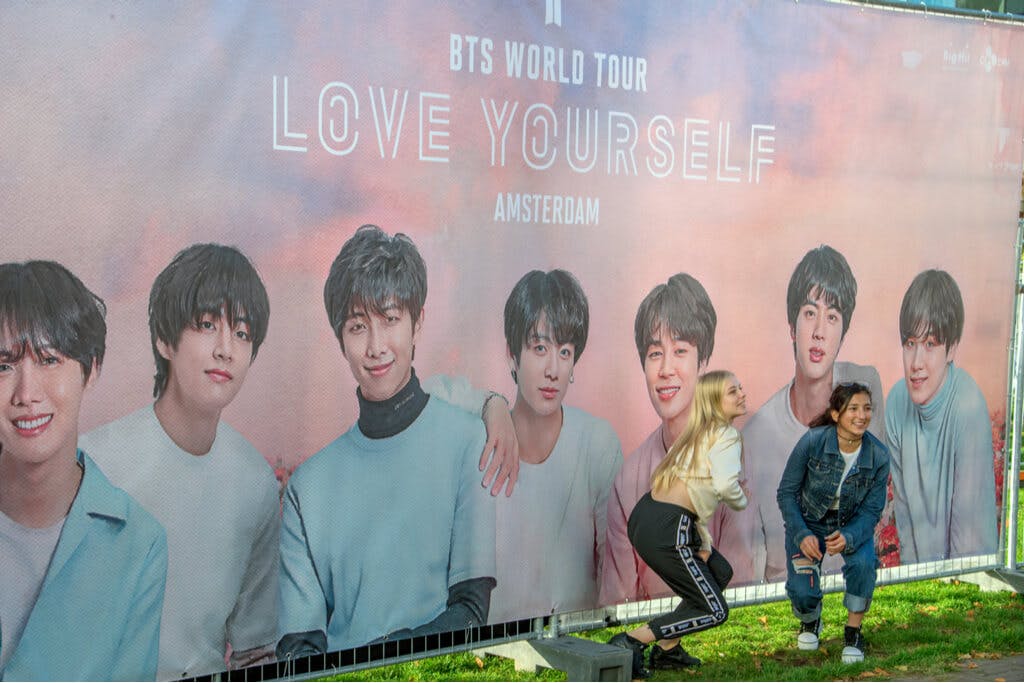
x: 386, y: 532
x: 82, y: 565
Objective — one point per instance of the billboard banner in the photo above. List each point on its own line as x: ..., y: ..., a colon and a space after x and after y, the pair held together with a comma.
x: 598, y: 204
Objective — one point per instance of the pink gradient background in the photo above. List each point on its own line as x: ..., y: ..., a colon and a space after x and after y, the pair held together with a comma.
x: 150, y: 128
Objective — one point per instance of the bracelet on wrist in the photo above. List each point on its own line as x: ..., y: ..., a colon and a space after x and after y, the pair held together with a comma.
x: 490, y: 395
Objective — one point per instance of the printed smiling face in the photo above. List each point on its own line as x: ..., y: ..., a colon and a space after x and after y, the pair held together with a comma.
x: 925, y: 364
x: 379, y: 348
x: 42, y: 396
x: 52, y: 343
x: 931, y: 324
x: 855, y: 418
x: 543, y: 370
x: 817, y: 336
x: 209, y: 363
x: 671, y: 368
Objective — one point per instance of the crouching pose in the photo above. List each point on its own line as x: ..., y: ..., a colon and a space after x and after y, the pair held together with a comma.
x: 668, y: 527
x: 831, y: 497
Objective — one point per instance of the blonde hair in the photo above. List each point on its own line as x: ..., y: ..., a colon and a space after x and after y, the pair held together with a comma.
x: 701, y: 432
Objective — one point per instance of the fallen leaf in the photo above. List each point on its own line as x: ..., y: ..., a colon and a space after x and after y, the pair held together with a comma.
x: 963, y: 656
x: 867, y: 674
x: 763, y: 620
x: 903, y: 667
x: 880, y: 671
x: 479, y: 662
x: 1001, y: 679
x: 970, y: 613
x: 972, y: 665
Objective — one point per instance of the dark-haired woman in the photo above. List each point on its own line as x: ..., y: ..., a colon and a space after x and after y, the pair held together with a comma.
x: 831, y: 497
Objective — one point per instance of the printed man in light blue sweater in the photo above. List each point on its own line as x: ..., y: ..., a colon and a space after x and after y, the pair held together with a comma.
x: 939, y: 432
x: 387, y: 533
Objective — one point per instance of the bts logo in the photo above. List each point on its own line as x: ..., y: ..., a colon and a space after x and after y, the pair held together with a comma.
x: 553, y: 12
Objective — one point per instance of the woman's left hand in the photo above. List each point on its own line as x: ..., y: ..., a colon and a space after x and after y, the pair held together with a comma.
x: 835, y: 543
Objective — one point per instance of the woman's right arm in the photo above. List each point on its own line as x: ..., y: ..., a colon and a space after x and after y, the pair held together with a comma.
x: 724, y: 462
x: 788, y: 494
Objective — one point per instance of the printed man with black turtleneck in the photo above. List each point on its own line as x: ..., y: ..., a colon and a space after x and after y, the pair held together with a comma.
x: 387, y: 532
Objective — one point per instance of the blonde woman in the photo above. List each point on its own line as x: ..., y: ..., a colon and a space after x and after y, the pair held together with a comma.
x: 668, y: 526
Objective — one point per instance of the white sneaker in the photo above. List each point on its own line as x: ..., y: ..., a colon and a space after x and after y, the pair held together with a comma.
x: 853, y: 652
x: 807, y: 639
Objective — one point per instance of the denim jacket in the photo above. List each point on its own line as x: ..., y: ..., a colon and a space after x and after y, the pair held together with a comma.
x: 812, y: 475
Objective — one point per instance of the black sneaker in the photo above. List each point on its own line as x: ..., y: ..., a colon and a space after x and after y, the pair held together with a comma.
x: 673, y: 658
x: 628, y: 642
x: 853, y: 653
x: 807, y: 639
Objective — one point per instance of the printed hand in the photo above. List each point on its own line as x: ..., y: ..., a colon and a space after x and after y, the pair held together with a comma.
x: 502, y: 448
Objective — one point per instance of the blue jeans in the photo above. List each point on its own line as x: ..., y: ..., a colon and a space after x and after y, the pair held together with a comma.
x: 803, y: 576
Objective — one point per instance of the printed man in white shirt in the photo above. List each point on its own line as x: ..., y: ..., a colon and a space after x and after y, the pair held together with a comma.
x: 215, y: 494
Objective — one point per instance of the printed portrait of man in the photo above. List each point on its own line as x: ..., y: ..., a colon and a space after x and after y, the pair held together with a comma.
x: 387, y: 532
x: 209, y: 487
x: 939, y: 433
x: 820, y: 301
x: 82, y: 564
x: 674, y: 331
x: 551, y: 531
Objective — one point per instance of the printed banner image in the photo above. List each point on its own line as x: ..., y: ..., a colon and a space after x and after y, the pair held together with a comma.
x: 280, y: 291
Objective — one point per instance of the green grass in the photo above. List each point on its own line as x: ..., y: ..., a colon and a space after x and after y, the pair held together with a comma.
x: 1020, y: 530
x: 913, y: 630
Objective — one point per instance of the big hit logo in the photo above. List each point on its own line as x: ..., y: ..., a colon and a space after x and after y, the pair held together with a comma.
x: 553, y: 12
